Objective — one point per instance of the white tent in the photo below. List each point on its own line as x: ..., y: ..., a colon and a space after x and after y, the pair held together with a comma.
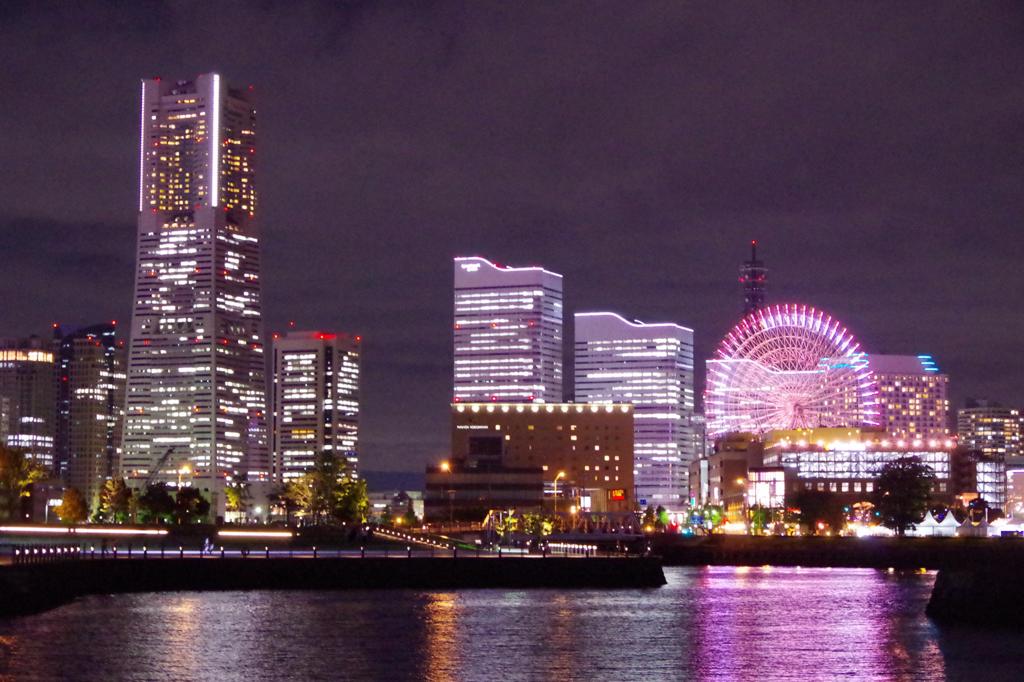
x: 968, y: 529
x: 948, y: 526
x: 926, y: 528
x: 930, y: 528
x: 999, y: 526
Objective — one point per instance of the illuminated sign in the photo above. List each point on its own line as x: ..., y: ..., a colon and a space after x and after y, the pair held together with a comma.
x: 617, y: 495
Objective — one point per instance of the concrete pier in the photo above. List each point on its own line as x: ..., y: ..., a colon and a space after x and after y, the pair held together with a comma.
x: 848, y: 552
x: 989, y: 595
x: 32, y: 588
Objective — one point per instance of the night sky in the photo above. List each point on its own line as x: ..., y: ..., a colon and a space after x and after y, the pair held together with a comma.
x: 874, y: 150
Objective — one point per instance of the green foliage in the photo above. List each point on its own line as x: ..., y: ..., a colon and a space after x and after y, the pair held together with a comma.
x: 351, y: 501
x: 661, y: 519
x: 760, y: 518
x: 17, y: 474
x: 72, y: 508
x: 533, y: 524
x: 237, y: 495
x: 902, y: 491
x: 115, y: 504
x: 156, y: 504
x: 649, y: 516
x: 190, y: 506
x: 819, y: 509
x: 327, y: 491
x: 409, y: 518
x: 707, y: 518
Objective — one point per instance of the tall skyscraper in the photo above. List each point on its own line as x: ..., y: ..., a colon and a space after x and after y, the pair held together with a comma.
x: 90, y: 407
x: 196, y: 377
x: 753, y: 277
x: 651, y: 367
x: 912, y: 398
x: 315, y: 400
x: 26, y: 397
x: 508, y: 333
x: 994, y: 430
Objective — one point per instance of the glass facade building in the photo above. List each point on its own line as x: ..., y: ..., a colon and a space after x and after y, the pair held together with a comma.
x: 508, y: 333
x: 196, y: 379
x: 315, y: 400
x: 90, y: 407
x: 651, y: 367
x: 992, y: 429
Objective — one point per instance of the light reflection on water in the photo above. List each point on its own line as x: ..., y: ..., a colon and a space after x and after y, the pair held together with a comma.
x: 706, y: 624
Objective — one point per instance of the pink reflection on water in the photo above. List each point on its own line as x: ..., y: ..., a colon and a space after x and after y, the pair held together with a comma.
x: 808, y: 624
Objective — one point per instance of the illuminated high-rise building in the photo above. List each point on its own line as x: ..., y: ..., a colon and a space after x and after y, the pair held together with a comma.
x: 651, y: 367
x: 753, y: 277
x: 994, y: 430
x: 196, y: 379
x: 315, y: 400
x: 26, y: 397
x: 90, y: 407
x: 912, y: 396
x: 508, y: 333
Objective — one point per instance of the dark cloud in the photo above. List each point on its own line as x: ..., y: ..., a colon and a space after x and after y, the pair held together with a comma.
x: 873, y: 149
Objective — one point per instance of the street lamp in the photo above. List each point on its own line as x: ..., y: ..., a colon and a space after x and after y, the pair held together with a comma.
x: 745, y: 506
x: 447, y: 468
x: 185, y: 470
x: 554, y: 485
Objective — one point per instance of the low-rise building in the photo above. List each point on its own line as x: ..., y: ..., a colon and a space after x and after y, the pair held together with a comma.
x: 584, y: 451
x: 847, y: 461
x: 465, y: 489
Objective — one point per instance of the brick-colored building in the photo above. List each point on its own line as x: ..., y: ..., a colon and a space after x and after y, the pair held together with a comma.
x: 591, y: 444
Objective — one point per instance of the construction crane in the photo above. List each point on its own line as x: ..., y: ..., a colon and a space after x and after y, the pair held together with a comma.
x: 156, y: 468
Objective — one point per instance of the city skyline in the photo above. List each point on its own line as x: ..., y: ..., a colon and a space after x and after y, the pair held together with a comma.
x: 910, y: 265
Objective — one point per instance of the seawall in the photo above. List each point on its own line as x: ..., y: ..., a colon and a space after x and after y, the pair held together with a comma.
x: 984, y: 595
x: 32, y: 588
x: 932, y: 553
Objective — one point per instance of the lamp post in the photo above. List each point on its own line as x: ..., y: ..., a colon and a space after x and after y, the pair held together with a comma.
x: 554, y: 485
x: 447, y: 468
x: 185, y: 470
x: 746, y: 508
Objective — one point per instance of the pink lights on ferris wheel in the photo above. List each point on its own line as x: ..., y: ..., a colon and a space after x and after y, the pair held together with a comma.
x: 789, y: 366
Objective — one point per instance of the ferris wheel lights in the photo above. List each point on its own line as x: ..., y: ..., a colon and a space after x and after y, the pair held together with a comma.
x: 786, y: 367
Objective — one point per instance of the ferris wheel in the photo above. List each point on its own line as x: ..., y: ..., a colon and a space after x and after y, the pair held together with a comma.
x: 788, y: 367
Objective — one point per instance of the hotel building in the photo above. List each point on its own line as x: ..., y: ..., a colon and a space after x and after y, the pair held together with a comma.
x: 196, y: 379
x: 649, y: 366
x: 508, y: 333
x: 584, y: 452
x: 90, y: 407
x: 912, y: 396
x: 27, y: 397
x: 315, y: 400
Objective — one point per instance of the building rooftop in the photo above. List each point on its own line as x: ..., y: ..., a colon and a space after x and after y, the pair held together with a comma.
x: 541, y: 407
x: 902, y: 364
x: 608, y: 323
